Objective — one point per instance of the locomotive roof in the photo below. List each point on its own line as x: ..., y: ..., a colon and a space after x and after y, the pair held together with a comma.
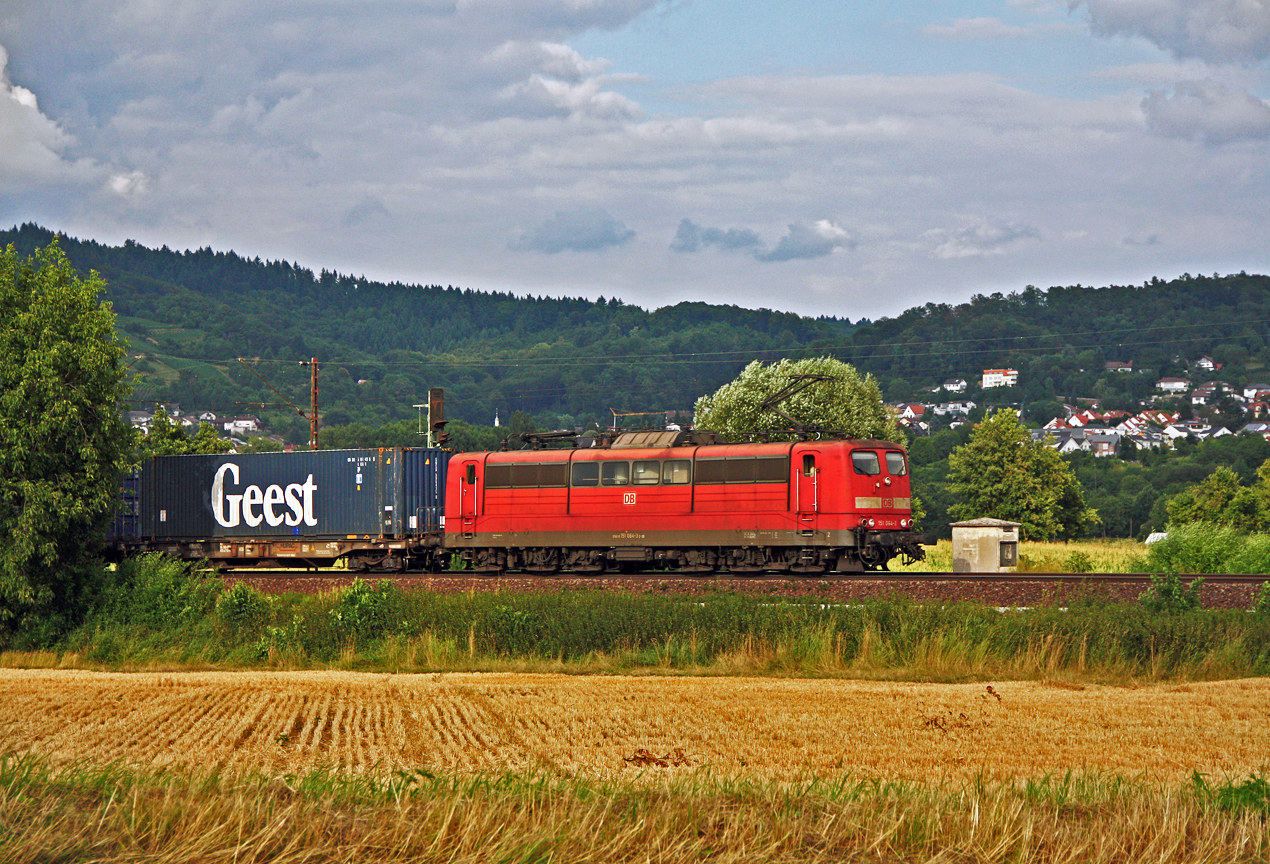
x: 663, y: 451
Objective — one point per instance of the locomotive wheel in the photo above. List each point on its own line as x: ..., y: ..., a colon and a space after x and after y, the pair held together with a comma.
x: 541, y: 561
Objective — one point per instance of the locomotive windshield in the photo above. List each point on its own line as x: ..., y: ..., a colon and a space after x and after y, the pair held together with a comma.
x: 895, y: 464
x: 866, y: 462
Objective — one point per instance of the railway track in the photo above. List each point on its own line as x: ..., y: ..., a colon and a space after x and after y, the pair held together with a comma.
x: 870, y: 576
x: 1234, y: 591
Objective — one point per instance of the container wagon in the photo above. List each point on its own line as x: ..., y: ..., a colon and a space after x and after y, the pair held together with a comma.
x: 371, y: 509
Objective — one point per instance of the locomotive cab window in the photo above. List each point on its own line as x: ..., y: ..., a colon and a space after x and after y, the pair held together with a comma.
x: 676, y: 472
x: 586, y: 473
x: 470, y: 473
x: 809, y: 465
x: 895, y: 465
x: 866, y: 462
x: 615, y: 474
x: 646, y: 473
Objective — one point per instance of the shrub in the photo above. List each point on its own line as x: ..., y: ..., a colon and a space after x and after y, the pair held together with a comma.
x: 1261, y: 605
x: 242, y: 613
x: 1168, y: 594
x: 1253, y: 558
x: 1079, y: 562
x: 363, y: 612
x: 514, y: 631
x: 159, y: 594
x: 1252, y: 794
x: 1196, y: 548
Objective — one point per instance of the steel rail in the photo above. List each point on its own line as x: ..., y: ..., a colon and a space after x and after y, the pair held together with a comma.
x: 870, y: 576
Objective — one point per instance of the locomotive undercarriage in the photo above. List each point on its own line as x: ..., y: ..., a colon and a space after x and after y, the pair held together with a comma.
x: 743, y: 560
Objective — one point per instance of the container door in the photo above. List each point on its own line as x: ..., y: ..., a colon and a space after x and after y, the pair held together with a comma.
x: 390, y: 510
x: 807, y: 501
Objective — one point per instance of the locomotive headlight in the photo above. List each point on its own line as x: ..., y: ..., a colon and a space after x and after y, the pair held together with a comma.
x: 871, y: 523
x: 903, y: 523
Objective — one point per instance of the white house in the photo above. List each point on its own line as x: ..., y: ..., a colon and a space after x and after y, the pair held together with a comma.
x: 1118, y: 366
x: 242, y: 425
x: 964, y: 406
x: 1253, y: 391
x: 1173, y: 385
x: 955, y: 385
x: 1000, y: 378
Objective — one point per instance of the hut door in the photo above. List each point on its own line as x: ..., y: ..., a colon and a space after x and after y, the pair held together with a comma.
x: 808, y: 502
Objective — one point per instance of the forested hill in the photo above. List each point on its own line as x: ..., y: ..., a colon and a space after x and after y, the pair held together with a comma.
x: 190, y: 315
x: 1060, y: 338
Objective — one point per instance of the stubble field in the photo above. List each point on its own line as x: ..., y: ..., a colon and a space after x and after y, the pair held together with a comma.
x: 277, y: 723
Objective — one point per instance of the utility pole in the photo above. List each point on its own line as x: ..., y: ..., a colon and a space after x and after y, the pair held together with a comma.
x: 313, y: 401
x: 312, y: 416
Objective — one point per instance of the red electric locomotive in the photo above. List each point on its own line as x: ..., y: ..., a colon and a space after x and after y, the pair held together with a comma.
x: 667, y: 500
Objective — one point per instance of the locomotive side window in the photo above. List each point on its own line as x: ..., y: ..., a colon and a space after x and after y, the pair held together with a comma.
x: 586, y: 473
x: 895, y: 464
x: 523, y: 475
x: 809, y: 464
x: 771, y: 469
x: 646, y: 473
x: 470, y: 474
x: 615, y: 474
x: 526, y: 475
x: 553, y: 474
x: 866, y: 462
x: 498, y: 476
x: 743, y: 469
x: 676, y: 472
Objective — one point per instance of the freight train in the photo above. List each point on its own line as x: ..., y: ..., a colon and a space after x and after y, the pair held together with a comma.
x: 644, y: 501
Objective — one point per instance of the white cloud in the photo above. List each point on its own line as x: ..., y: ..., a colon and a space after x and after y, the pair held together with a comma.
x: 691, y: 237
x: 803, y: 241
x: 548, y: 58
x: 31, y: 144
x: 541, y: 96
x: 990, y: 236
x: 1208, y: 110
x: 1217, y: 31
x: 584, y: 229
x: 130, y: 185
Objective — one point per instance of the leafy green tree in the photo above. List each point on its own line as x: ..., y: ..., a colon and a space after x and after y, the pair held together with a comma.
x: 166, y: 438
x: 1220, y: 499
x: 1002, y: 473
x: 63, y: 442
x: 846, y: 402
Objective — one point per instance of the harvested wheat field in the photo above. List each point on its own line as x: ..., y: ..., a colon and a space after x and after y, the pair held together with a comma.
x: 285, y: 722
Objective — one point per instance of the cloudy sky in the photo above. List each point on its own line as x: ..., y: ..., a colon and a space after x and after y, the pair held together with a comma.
x: 821, y: 156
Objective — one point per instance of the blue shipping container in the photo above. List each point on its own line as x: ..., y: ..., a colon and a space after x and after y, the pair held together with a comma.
x: 328, y: 494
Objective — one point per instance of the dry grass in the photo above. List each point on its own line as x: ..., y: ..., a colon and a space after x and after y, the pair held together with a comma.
x: 778, y: 729
x: 120, y: 818
x: 1105, y: 556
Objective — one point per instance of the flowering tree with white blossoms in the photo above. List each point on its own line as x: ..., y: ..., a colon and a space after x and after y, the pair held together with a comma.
x: 843, y: 402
